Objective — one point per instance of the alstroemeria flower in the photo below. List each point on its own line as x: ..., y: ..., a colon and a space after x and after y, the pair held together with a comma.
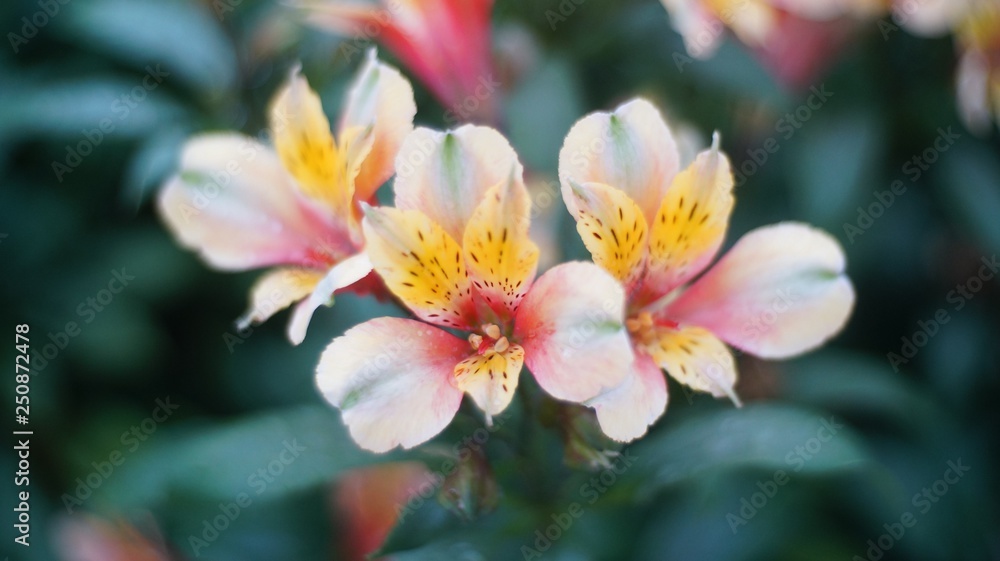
x: 445, y: 43
x: 243, y: 205
x: 456, y: 252
x: 780, y: 291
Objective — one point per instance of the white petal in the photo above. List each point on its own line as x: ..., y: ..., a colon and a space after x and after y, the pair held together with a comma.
x: 342, y: 275
x: 382, y: 99
x: 626, y: 412
x: 233, y: 202
x: 392, y: 380
x: 446, y: 174
x: 630, y: 149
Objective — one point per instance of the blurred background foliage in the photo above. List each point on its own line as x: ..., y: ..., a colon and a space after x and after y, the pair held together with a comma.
x: 242, y: 397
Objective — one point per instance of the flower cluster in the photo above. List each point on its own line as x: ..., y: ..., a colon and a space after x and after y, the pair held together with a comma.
x: 455, y: 251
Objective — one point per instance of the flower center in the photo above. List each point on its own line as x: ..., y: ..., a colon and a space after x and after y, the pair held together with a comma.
x: 643, y: 327
x: 491, y: 342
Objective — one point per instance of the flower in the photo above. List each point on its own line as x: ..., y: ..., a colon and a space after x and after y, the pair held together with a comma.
x: 976, y: 24
x: 445, y: 43
x: 243, y: 205
x: 368, y: 501
x: 794, y: 39
x: 780, y: 291
x: 456, y: 252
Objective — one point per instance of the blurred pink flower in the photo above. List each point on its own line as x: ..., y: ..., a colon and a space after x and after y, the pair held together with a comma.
x: 780, y: 291
x: 445, y: 43
x: 85, y: 537
x: 370, y: 500
x: 795, y: 39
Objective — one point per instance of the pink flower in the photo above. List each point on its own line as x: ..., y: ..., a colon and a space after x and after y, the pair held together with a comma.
x: 243, y: 205
x: 780, y: 291
x: 445, y: 43
x: 456, y: 252
x: 794, y: 39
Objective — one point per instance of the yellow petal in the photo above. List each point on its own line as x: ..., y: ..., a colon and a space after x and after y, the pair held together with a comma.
x: 694, y: 357
x: 421, y: 264
x: 306, y: 146
x: 498, y: 252
x: 491, y: 378
x: 613, y: 229
x: 691, y: 223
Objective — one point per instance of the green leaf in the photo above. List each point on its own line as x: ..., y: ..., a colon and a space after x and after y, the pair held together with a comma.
x: 188, y: 41
x: 834, y: 161
x: 756, y: 436
x: 296, y: 449
x: 971, y: 176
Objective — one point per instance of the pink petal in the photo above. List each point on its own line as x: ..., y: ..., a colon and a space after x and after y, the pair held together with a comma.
x: 234, y: 203
x: 780, y: 291
x: 626, y: 411
x: 392, y: 380
x: 571, y: 327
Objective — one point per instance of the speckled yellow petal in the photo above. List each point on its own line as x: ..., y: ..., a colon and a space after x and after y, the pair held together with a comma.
x: 691, y: 223
x: 694, y: 357
x: 498, y: 252
x: 613, y: 229
x: 421, y: 264
x: 491, y: 378
x: 306, y: 146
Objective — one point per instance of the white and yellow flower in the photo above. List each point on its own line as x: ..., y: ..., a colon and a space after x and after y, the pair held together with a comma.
x: 780, y: 291
x: 294, y: 206
x: 456, y: 251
